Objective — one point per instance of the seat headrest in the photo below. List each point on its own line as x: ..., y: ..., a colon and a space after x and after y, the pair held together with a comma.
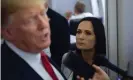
x: 73, y: 26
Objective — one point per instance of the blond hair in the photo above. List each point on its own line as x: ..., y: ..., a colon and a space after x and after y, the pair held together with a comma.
x: 11, y: 6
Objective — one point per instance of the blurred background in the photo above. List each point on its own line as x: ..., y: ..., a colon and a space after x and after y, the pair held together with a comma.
x: 117, y: 18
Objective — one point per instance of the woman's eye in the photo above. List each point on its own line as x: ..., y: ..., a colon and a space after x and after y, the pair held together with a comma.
x: 88, y: 33
x: 78, y: 32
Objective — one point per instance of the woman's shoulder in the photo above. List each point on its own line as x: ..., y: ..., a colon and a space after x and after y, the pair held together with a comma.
x: 68, y: 73
x: 66, y: 54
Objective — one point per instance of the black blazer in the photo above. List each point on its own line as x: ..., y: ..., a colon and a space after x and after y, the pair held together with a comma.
x: 60, y: 36
x: 15, y: 68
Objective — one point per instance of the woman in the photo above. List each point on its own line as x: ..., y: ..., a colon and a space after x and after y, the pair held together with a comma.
x: 90, y: 41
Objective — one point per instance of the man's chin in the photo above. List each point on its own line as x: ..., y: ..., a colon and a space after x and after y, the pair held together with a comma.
x: 44, y: 46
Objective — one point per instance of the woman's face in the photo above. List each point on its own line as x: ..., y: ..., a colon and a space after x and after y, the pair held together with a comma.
x: 85, y: 37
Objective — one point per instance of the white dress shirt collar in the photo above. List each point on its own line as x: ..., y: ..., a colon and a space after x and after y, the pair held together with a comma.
x: 29, y: 57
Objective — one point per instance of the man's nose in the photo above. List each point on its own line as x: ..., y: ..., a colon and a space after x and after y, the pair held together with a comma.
x: 42, y: 23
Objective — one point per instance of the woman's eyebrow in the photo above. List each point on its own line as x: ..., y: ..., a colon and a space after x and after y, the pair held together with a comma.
x: 87, y: 30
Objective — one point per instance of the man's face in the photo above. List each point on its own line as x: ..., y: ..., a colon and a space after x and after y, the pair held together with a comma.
x: 85, y: 37
x: 30, y: 29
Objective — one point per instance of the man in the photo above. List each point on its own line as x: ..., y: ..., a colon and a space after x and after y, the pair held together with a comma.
x: 79, y: 11
x: 60, y: 36
x: 68, y: 14
x: 26, y: 31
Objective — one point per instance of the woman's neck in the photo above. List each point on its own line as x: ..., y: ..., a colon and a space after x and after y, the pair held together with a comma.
x: 88, y: 55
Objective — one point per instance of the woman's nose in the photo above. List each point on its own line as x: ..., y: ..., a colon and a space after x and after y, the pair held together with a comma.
x: 81, y: 36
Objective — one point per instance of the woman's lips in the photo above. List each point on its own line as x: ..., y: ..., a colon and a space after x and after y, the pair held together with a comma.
x: 80, y: 43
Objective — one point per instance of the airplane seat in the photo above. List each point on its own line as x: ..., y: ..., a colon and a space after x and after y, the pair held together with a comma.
x: 73, y: 26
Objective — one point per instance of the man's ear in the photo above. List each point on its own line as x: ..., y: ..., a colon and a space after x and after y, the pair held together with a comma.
x: 6, y: 33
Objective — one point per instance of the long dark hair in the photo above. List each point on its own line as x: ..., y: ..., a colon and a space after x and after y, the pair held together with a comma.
x: 100, y: 46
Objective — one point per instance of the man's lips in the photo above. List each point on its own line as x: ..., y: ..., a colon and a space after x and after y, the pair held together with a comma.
x: 45, y: 36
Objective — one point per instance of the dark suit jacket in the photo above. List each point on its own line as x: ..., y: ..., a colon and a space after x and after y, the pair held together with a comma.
x: 60, y: 36
x: 15, y: 68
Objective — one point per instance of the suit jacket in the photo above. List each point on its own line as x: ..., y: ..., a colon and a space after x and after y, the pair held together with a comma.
x: 60, y: 36
x: 15, y: 68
